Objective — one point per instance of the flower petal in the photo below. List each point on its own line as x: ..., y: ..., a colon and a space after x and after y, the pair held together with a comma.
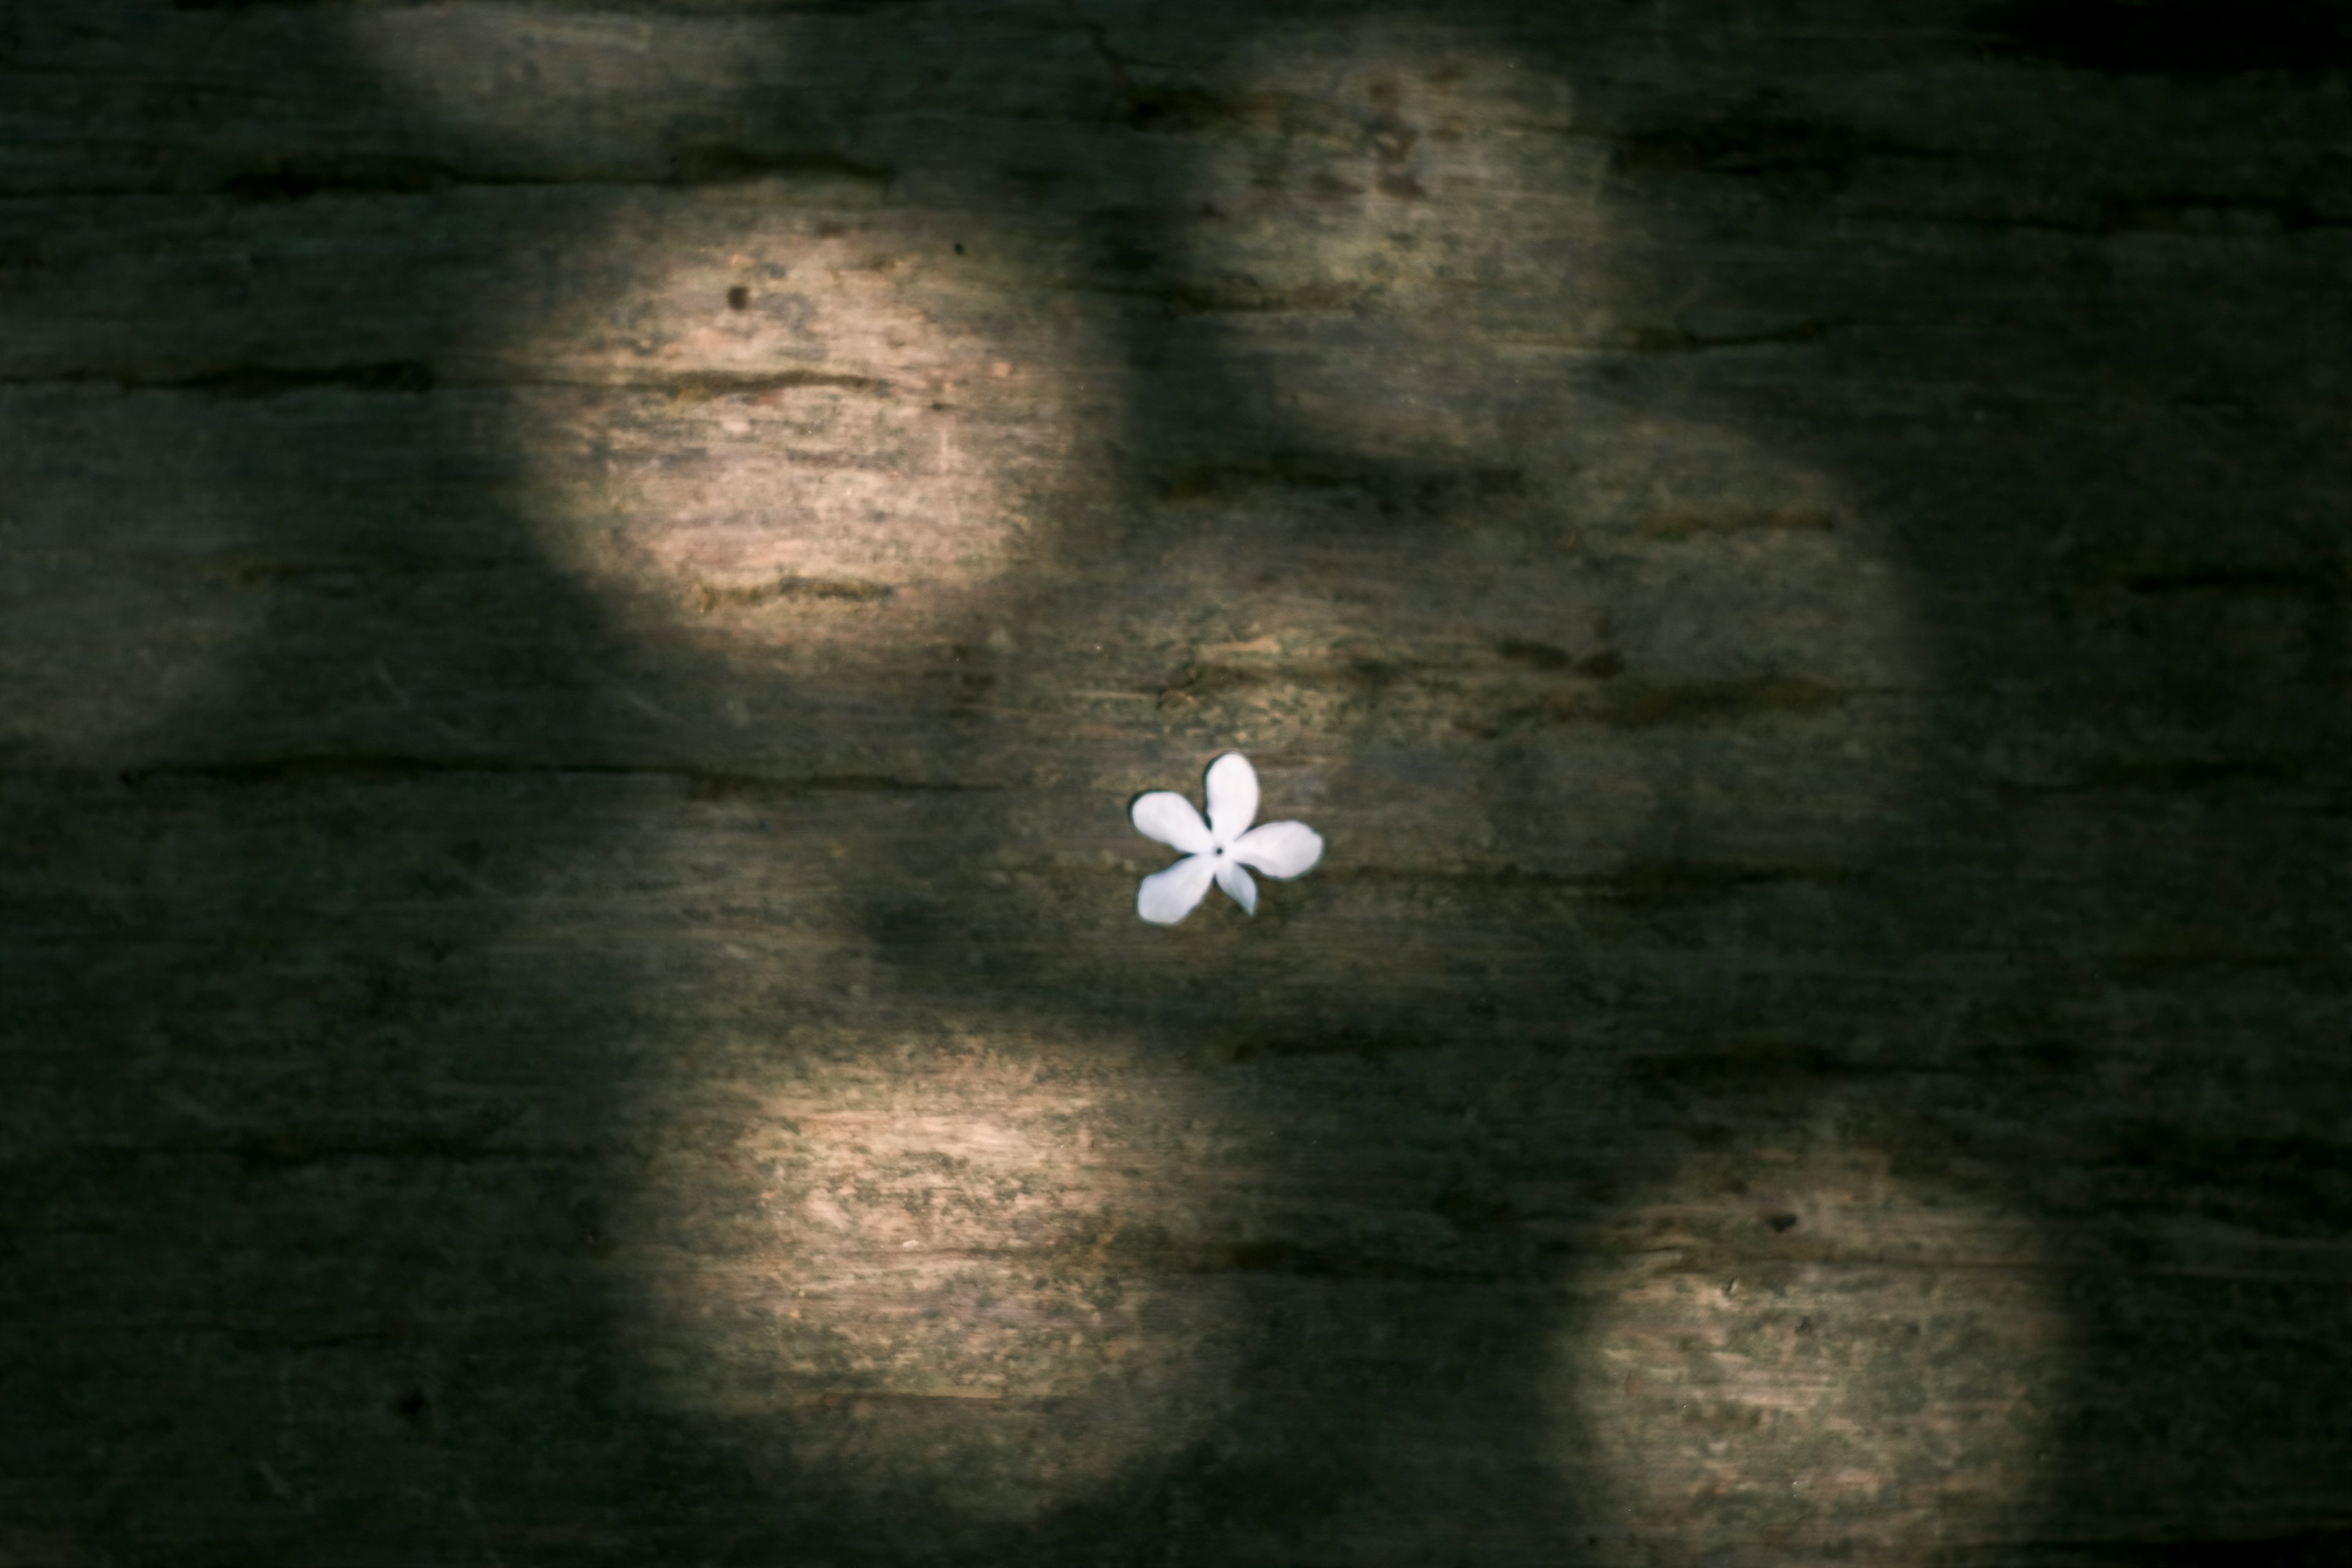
x: 1167, y: 897
x: 1236, y: 883
x: 1168, y: 817
x: 1233, y: 797
x: 1280, y: 849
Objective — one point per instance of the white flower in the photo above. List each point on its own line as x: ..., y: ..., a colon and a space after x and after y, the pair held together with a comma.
x: 1222, y: 848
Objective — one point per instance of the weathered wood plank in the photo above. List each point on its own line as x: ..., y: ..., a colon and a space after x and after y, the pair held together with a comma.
x: 584, y: 593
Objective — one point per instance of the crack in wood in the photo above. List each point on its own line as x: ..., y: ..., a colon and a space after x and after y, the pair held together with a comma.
x: 385, y: 767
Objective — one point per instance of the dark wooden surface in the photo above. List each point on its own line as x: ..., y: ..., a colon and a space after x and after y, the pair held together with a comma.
x: 581, y: 594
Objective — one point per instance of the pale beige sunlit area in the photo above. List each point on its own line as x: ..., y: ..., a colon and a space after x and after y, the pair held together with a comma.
x: 1823, y: 1356
x: 803, y: 433
x: 944, y: 1272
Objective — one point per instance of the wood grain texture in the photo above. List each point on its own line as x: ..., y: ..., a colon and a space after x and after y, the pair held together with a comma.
x: 584, y: 593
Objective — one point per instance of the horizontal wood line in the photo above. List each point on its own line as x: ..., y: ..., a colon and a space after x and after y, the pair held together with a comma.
x: 833, y: 1397
x: 393, y: 767
x: 416, y: 377
x: 518, y: 1328
x: 2283, y: 211
x: 693, y: 170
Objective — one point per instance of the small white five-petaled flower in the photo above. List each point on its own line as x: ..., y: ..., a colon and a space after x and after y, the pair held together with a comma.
x: 1221, y: 849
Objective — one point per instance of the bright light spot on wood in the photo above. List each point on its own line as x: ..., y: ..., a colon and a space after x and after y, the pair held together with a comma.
x: 1836, y: 1360
x: 943, y: 1276
x: 822, y: 445
x: 742, y: 388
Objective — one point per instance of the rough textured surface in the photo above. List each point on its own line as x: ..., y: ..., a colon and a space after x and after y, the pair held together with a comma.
x: 584, y: 591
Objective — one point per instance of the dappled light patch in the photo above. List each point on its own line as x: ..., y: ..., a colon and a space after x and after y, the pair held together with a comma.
x: 1824, y: 1355
x: 779, y: 430
x: 943, y: 1273
x: 1432, y: 495
x: 1408, y: 202
x: 1670, y: 642
x: 748, y: 390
